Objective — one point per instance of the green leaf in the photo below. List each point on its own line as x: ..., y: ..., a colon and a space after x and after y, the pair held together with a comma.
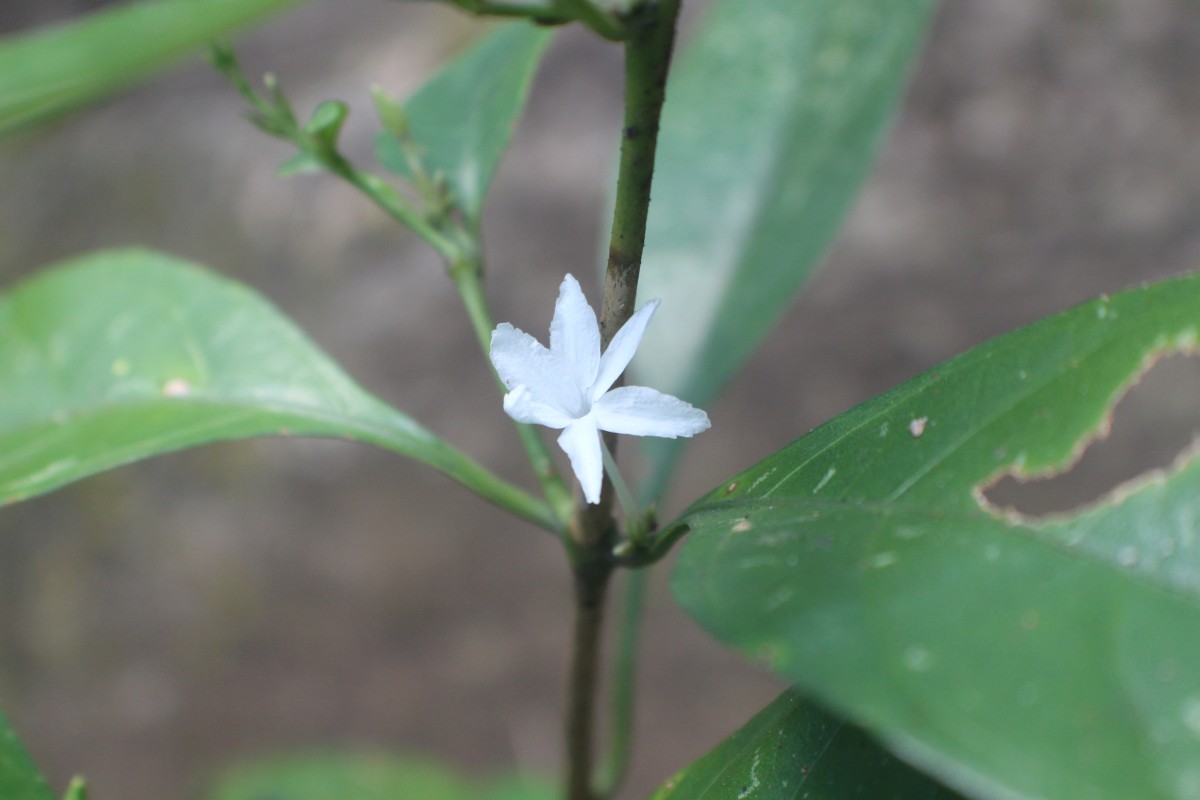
x: 19, y: 778
x: 325, y: 125
x: 50, y: 71
x: 358, y: 777
x: 461, y: 121
x: 772, y: 120
x: 331, y: 776
x: 301, y: 162
x: 793, y: 750
x: 77, y: 790
x: 1015, y: 657
x: 126, y: 354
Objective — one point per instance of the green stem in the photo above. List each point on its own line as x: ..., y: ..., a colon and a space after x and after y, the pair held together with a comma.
x: 458, y: 249
x: 394, y: 205
x: 591, y: 583
x: 559, y: 12
x: 652, y: 550
x: 647, y: 60
x: 616, y: 761
x: 593, y: 532
x: 589, y: 15
x: 543, y: 15
x: 466, y: 273
x: 624, y: 496
x: 466, y: 270
x: 498, y: 491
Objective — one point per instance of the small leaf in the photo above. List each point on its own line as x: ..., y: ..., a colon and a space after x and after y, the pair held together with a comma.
x: 359, y: 777
x: 19, y: 778
x: 300, y: 163
x: 391, y: 113
x: 122, y: 355
x: 793, y: 750
x: 773, y: 117
x: 53, y: 70
x: 461, y: 120
x: 77, y: 790
x: 1015, y: 657
x: 325, y: 124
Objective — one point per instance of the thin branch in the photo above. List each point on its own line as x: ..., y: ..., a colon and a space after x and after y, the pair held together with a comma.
x: 543, y: 15
x: 467, y: 274
x: 274, y: 115
x: 616, y: 761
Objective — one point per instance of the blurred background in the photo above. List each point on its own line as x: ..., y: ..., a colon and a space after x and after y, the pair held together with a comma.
x: 244, y: 599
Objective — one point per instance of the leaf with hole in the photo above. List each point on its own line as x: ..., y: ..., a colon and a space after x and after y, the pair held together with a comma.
x: 53, y: 70
x: 793, y: 750
x: 460, y: 122
x: 1011, y: 656
x: 125, y: 354
x: 773, y: 117
x: 19, y: 778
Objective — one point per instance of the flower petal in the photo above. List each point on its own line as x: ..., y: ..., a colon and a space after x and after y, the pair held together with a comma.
x: 521, y: 360
x: 581, y: 442
x: 639, y: 411
x: 621, y: 349
x: 575, y: 334
x: 521, y: 406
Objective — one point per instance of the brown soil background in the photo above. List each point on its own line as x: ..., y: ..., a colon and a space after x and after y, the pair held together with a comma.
x: 238, y: 600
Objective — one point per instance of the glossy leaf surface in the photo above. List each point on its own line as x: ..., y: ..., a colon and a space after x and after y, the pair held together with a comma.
x: 126, y: 354
x: 793, y: 750
x: 1016, y: 657
x: 773, y: 117
x: 19, y: 778
x: 461, y: 121
x: 51, y: 70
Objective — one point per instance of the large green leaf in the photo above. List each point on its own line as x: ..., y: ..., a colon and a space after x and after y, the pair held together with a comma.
x: 793, y: 750
x: 19, y: 778
x: 1013, y: 656
x: 773, y: 117
x: 462, y: 119
x: 122, y: 355
x: 50, y: 71
x: 357, y: 777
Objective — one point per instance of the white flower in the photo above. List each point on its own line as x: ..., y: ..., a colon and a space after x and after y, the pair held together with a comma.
x: 567, y: 387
